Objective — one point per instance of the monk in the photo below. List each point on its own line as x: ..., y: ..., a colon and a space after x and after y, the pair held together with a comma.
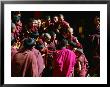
x: 63, y: 60
x: 81, y: 66
x: 28, y: 62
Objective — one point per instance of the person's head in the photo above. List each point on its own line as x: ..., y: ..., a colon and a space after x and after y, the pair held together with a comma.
x: 16, y: 16
x: 55, y: 19
x: 39, y: 22
x: 33, y: 23
x: 28, y: 43
x: 53, y: 36
x: 65, y: 32
x: 70, y: 30
x: 47, y: 37
x: 61, y: 17
x: 48, y: 20
x: 62, y: 43
x: 34, y: 35
x: 39, y: 45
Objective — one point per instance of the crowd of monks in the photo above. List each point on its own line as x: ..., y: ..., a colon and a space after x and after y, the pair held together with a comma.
x: 48, y: 48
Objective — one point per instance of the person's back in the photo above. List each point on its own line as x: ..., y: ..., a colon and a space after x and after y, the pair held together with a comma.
x: 40, y: 61
x: 64, y: 61
x: 24, y: 64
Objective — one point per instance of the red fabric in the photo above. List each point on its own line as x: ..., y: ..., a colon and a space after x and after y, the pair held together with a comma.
x: 40, y: 61
x: 26, y: 64
x: 74, y: 39
x: 84, y: 63
x: 64, y: 24
x: 13, y: 52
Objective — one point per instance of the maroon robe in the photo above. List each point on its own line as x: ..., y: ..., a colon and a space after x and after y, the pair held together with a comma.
x: 74, y: 39
x: 82, y: 72
x: 64, y: 24
x: 13, y: 52
x: 40, y: 61
x: 26, y: 64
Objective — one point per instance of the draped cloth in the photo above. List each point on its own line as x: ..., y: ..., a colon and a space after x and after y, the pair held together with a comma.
x: 63, y: 63
x: 27, y: 64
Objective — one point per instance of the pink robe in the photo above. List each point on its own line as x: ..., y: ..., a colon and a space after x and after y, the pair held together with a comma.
x: 63, y: 64
x: 40, y: 62
x: 26, y: 64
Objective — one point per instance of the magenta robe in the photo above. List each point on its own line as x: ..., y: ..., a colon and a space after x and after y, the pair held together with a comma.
x: 26, y: 64
x: 63, y: 64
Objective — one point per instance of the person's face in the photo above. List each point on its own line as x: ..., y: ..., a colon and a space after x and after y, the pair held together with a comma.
x: 55, y: 19
x: 39, y: 22
x: 61, y: 18
x: 34, y: 24
x: 48, y: 20
x: 71, y: 31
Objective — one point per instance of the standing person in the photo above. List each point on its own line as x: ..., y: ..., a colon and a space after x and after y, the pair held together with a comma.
x: 94, y: 49
x: 16, y: 19
x: 63, y: 60
x: 27, y: 62
x: 62, y: 23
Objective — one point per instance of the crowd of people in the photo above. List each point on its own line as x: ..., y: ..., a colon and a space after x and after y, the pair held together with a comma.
x: 48, y: 48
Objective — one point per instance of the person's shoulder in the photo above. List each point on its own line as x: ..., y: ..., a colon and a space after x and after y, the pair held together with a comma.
x: 64, y: 21
x: 68, y: 50
x: 31, y: 55
x: 35, y: 50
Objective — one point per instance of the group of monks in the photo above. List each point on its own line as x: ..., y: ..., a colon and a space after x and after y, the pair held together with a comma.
x: 46, y: 48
